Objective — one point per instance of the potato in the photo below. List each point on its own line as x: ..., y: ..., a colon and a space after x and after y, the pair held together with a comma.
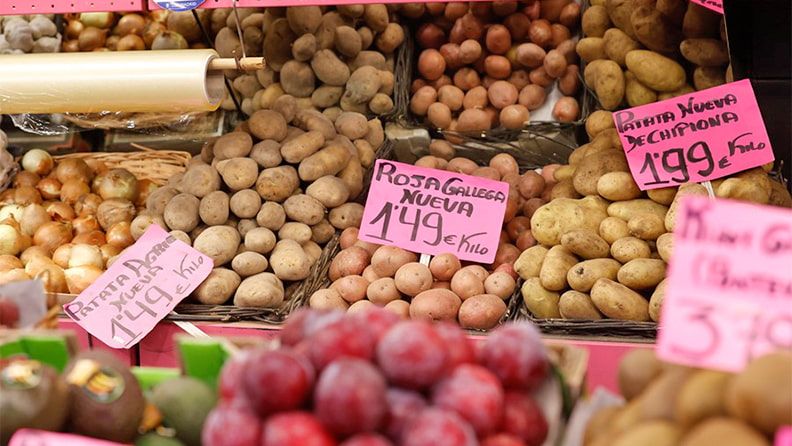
x: 297, y: 79
x: 591, y: 168
x: 435, y: 305
x: 641, y: 274
x: 260, y: 240
x: 218, y: 242
x: 218, y: 287
x: 304, y: 209
x: 245, y: 203
x: 444, y: 266
x: 542, y: 303
x: 328, y: 161
x: 688, y: 189
x: 329, y: 68
x: 249, y: 263
x: 481, y: 312
x: 607, y: 81
x: 617, y: 44
x: 347, y: 215
x: 266, y: 153
x: 413, y: 278
x: 699, y: 21
x: 582, y: 276
x: 304, y: 48
x: 500, y: 284
x: 646, y: 226
x: 263, y: 290
x: 199, y: 180
x: 664, y: 195
x: 347, y: 41
x: 708, y: 77
x: 654, y: 30
x: 383, y: 291
x: 181, y: 213
x: 620, y: 12
x: 613, y: 228
x: 656, y: 301
x: 557, y: 263
x: 467, y: 283
x: 299, y: 232
x: 626, y: 210
x: 636, y: 93
x: 289, y: 261
x: 655, y: 71
x: 616, y: 301
x: 271, y: 216
x: 327, y: 299
x: 577, y: 305
x: 267, y: 124
x: 591, y: 48
x: 705, y: 52
x: 302, y: 146
x: 630, y: 248
x: 665, y: 246
x: 585, y: 243
x: 390, y: 38
x: 595, y: 21
x: 329, y: 191
x: 598, y: 121
x: 618, y: 186
x: 232, y: 145
x: 386, y: 260
x: 351, y: 288
x: 559, y: 216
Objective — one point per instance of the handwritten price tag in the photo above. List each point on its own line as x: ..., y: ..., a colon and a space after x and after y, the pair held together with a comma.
x: 33, y: 437
x: 729, y: 292
x: 141, y: 287
x: 431, y: 211
x: 694, y: 138
x: 715, y: 5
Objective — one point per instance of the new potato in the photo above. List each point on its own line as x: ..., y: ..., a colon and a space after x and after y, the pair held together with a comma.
x: 616, y: 301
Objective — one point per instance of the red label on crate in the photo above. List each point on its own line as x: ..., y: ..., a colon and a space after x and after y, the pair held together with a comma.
x: 715, y: 5
x: 141, y: 287
x: 729, y: 292
x: 33, y: 437
x: 432, y: 211
x: 697, y: 137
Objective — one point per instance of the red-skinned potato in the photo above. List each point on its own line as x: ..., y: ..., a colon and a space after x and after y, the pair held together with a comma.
x: 512, y: 205
x: 439, y: 115
x: 540, y: 77
x: 492, y: 114
x: 473, y: 120
x: 551, y: 9
x: 469, y: 51
x: 417, y: 84
x: 435, y: 9
x: 531, y: 185
x: 388, y: 259
x: 348, y: 237
x: 441, y: 82
x: 452, y: 55
x: 422, y: 99
x: 431, y: 64
x: 570, y: 15
x: 531, y: 205
x: 505, y: 164
x: 517, y: 24
x: 507, y: 268
x: 566, y: 109
x: 525, y: 241
x: 517, y: 226
x: 455, y: 10
x: 555, y: 64
x: 567, y: 48
x: 502, y: 94
x: 514, y: 116
x: 530, y: 55
x: 476, y: 98
x: 444, y: 266
x: 348, y: 262
x: 430, y: 35
x: 466, y: 284
x: 502, y: 8
x: 472, y: 27
x: 487, y: 172
x: 482, y: 10
x: 497, y: 67
x: 541, y: 33
x: 498, y: 39
x: 569, y: 83
x: 461, y: 165
x: 532, y: 96
x: 507, y: 253
x: 519, y: 79
x: 532, y: 10
x: 466, y: 79
x: 560, y: 34
x: 452, y: 96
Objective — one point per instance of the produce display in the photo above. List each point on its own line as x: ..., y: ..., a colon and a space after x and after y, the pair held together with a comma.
x: 337, y: 59
x: 263, y: 200
x: 674, y: 405
x: 29, y: 34
x: 642, y: 52
x: 485, y: 65
x: 370, y: 379
x: 63, y: 222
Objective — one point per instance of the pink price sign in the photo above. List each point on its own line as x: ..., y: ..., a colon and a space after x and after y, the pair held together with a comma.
x: 141, y: 287
x: 34, y: 437
x: 729, y: 292
x: 784, y: 436
x: 431, y: 211
x: 715, y: 5
x: 697, y: 137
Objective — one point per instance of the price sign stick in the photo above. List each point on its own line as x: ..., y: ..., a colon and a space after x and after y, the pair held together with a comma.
x: 196, y: 332
x: 425, y: 259
x: 708, y: 185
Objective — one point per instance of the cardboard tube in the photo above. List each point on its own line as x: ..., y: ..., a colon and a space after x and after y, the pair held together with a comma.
x: 128, y: 81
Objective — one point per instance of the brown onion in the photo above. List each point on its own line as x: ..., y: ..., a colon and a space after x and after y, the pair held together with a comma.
x: 120, y: 235
x: 92, y: 38
x: 49, y: 188
x: 96, y: 166
x: 145, y: 188
x: 81, y: 277
x: 72, y: 190
x: 25, y: 178
x: 25, y: 195
x: 31, y: 252
x: 130, y: 24
x: 62, y: 254
x: 85, y: 255
x: 60, y: 211
x: 112, y: 43
x: 53, y: 234
x: 11, y: 212
x: 96, y: 238
x: 113, y: 211
x: 37, y: 161
x: 102, y: 20
x: 33, y: 217
x: 131, y: 42
x: 87, y: 204
x: 51, y: 274
x: 169, y: 40
x: 10, y: 240
x: 7, y: 197
x: 71, y: 46
x: 151, y: 31
x: 73, y: 169
x: 117, y: 183
x: 73, y: 29
x: 108, y: 252
x: 159, y: 15
x: 84, y: 224
x: 9, y: 262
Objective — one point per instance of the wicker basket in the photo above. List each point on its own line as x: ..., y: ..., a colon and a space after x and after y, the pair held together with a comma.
x: 133, y: 121
x: 155, y: 165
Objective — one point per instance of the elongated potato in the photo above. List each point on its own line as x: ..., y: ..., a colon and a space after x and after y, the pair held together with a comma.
x: 619, y: 302
x: 655, y: 71
x: 665, y: 246
x: 612, y: 229
x: 328, y: 161
x: 585, y: 243
x: 636, y: 93
x: 529, y: 264
x: 608, y: 83
x: 301, y: 147
x: 642, y: 274
x: 617, y: 44
x: 618, y: 186
x: 656, y: 301
x: 664, y: 195
x: 540, y: 301
x: 591, y: 48
x: 561, y: 215
x: 688, y: 189
x: 577, y: 306
x: 630, y: 248
x: 646, y: 226
x: 555, y: 267
x: 584, y: 275
x: 627, y: 210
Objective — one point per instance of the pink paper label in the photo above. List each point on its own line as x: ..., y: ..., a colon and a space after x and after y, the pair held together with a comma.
x: 715, y: 5
x: 729, y: 292
x: 33, y: 437
x: 696, y: 137
x: 141, y: 287
x: 431, y: 211
x: 784, y: 436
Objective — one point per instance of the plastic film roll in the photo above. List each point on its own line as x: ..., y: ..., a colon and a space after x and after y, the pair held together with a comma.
x: 129, y: 81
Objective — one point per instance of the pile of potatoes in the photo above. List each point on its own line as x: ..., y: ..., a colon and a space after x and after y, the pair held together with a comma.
x: 489, y: 64
x: 29, y: 34
x: 366, y: 275
x: 603, y: 244
x: 670, y: 405
x: 263, y: 200
x: 332, y: 59
x: 642, y: 51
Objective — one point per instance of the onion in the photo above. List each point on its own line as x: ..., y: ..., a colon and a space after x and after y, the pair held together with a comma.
x: 101, y: 50
x: 9, y: 262
x: 130, y: 24
x: 14, y: 275
x: 25, y: 195
x: 34, y: 251
x: 108, y: 252
x: 120, y: 235
x: 73, y: 28
x: 49, y: 188
x: 26, y: 178
x: 96, y: 238
x: 169, y: 40
x: 92, y: 38
x: 43, y: 268
x: 37, y: 161
x: 151, y: 31
x: 87, y: 204
x: 72, y: 190
x: 96, y: 166
x: 112, y: 43
x: 13, y: 211
x: 71, y: 46
x: 73, y: 169
x: 131, y: 42
x: 86, y: 223
x: 53, y: 234
x: 113, y: 211
x: 33, y: 217
x: 10, y: 240
x: 159, y: 16
x: 117, y: 183
x: 25, y: 240
x: 81, y: 277
x: 145, y: 187
x: 7, y: 197
x: 85, y: 255
x: 97, y: 19
x: 62, y: 254
x: 60, y: 211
